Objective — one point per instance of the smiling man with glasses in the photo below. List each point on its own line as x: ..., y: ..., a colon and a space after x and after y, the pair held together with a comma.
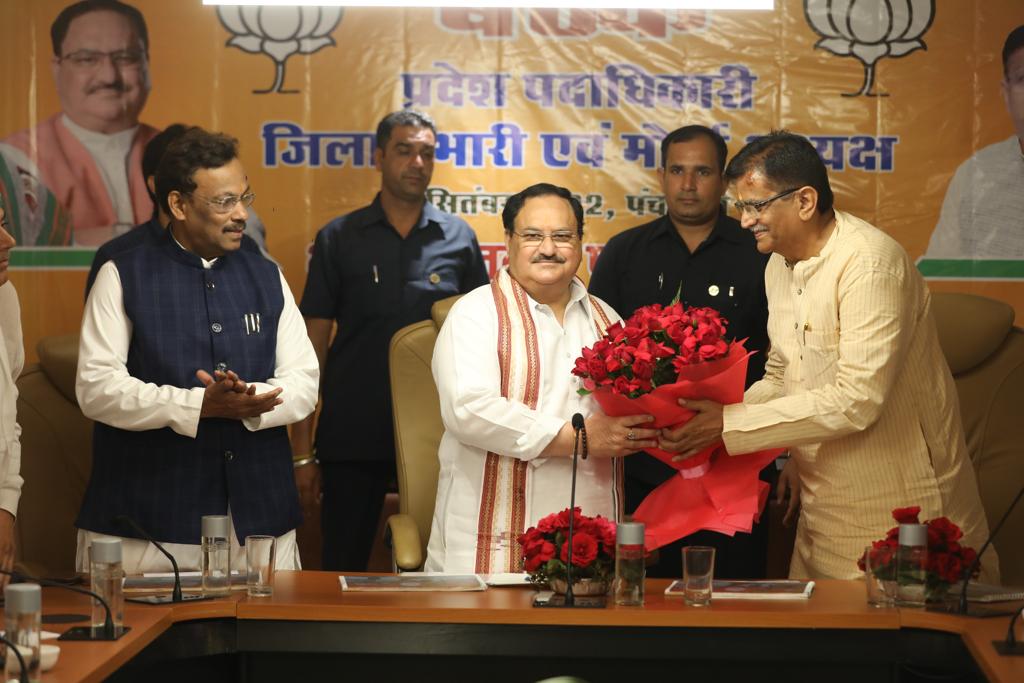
x: 80, y: 168
x: 856, y: 385
x: 502, y: 365
x: 193, y: 360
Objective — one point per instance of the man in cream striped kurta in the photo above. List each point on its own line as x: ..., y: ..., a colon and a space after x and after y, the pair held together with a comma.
x: 856, y: 385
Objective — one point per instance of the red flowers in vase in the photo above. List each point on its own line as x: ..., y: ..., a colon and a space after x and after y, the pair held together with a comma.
x: 546, y: 548
x: 947, y: 563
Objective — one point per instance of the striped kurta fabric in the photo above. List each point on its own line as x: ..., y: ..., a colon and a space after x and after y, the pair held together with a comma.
x: 857, y: 387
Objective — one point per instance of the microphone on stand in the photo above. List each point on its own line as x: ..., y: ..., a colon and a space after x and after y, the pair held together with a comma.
x: 11, y: 647
x: 1010, y: 646
x: 961, y: 606
x: 578, y: 428
x: 78, y: 632
x: 176, y: 595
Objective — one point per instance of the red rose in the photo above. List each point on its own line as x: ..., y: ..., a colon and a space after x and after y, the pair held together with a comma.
x: 584, y: 549
x: 907, y: 515
x: 944, y: 530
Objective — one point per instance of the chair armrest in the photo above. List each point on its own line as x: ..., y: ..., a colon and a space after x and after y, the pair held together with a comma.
x: 406, y: 549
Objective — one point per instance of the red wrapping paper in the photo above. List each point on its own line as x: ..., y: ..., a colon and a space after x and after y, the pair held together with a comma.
x: 714, y: 490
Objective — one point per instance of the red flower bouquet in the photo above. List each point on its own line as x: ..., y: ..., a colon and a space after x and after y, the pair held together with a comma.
x: 644, y: 366
x: 947, y: 562
x: 546, y: 550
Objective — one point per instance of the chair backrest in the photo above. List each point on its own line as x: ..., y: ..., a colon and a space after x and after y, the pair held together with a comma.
x: 985, y: 352
x: 417, y: 417
x: 56, y: 446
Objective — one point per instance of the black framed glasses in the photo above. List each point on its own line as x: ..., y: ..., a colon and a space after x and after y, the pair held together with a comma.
x: 754, y: 208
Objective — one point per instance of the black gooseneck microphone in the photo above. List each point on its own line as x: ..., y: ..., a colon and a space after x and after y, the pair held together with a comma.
x: 78, y: 632
x: 578, y: 428
x: 176, y: 595
x: 1010, y: 646
x: 11, y: 647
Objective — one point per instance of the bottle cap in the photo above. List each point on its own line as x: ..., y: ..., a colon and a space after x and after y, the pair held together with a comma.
x: 22, y: 597
x: 106, y: 550
x: 629, y: 533
x: 216, y: 526
x: 915, y: 535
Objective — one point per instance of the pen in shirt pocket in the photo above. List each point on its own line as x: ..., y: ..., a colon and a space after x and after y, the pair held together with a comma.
x: 376, y: 275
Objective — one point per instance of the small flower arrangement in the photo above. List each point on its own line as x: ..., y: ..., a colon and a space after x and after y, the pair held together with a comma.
x: 546, y: 548
x: 651, y: 348
x: 947, y: 563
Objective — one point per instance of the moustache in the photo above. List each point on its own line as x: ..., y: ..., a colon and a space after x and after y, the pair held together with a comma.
x: 548, y: 258
x: 238, y: 226
x: 117, y: 87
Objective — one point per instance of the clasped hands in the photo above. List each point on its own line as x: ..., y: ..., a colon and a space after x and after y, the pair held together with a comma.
x: 228, y: 396
x: 618, y: 436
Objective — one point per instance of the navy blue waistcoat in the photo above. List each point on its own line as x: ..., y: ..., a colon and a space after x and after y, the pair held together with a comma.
x: 186, y: 318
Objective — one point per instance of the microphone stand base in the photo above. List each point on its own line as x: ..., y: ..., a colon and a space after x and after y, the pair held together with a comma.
x: 86, y: 633
x: 1004, y: 648
x: 550, y: 599
x: 167, y: 599
x: 980, y: 611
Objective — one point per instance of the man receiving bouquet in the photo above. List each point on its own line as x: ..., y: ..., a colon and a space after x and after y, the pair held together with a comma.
x: 502, y: 364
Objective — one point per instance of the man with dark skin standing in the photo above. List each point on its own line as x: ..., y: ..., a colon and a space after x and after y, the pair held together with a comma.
x: 373, y: 272
x: 702, y: 254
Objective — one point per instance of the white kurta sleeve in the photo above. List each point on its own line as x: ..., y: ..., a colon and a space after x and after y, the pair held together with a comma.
x: 876, y: 323
x: 468, y: 378
x: 946, y: 241
x: 105, y: 390
x: 296, y: 370
x: 11, y: 364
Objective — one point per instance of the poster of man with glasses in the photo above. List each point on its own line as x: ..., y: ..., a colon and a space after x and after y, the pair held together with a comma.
x: 75, y: 178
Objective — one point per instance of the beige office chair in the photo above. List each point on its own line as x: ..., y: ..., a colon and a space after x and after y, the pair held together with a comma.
x: 56, y: 457
x: 985, y: 352
x: 418, y: 430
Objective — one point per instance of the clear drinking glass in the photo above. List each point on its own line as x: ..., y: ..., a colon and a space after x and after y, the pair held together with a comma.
x: 880, y: 576
x: 259, y: 564
x: 698, y: 573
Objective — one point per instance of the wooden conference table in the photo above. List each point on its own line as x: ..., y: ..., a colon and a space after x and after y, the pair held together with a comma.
x: 310, y: 630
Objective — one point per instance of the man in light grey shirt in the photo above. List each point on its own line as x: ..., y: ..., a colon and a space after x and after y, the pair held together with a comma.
x: 983, y: 213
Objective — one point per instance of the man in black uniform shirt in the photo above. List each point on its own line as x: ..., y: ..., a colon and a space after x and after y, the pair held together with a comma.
x: 705, y: 255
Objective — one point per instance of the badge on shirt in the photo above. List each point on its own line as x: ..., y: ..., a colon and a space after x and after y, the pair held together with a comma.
x: 435, y: 279
x: 252, y: 323
x: 713, y: 290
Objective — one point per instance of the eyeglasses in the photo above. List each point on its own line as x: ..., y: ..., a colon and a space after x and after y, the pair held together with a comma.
x: 752, y: 208
x: 227, y: 204
x: 89, y: 60
x: 563, y: 239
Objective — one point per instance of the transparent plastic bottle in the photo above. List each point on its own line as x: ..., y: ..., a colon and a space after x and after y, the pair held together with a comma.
x: 107, y: 576
x: 23, y: 616
x: 629, y: 564
x: 911, y: 565
x: 216, y: 554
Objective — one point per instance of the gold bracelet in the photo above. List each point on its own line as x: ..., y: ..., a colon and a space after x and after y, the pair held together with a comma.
x: 303, y: 461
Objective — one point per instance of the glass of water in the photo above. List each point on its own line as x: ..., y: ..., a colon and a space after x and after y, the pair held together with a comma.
x: 259, y: 563
x: 698, y: 573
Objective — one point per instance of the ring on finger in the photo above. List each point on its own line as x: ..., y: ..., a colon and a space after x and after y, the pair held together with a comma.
x: 631, y: 436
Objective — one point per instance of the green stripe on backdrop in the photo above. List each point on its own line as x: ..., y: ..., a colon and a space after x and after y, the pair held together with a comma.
x: 964, y: 269
x: 52, y: 257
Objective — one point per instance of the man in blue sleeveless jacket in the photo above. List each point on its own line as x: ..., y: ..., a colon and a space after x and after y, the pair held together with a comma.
x: 193, y: 360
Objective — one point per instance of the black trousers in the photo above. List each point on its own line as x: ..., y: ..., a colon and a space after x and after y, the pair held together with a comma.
x: 743, y: 556
x: 353, y: 495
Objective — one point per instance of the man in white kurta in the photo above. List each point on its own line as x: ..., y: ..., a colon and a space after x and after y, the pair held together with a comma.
x: 856, y: 384
x: 12, y: 359
x: 506, y: 452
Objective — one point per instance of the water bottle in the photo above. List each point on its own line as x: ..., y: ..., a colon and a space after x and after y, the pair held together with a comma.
x: 23, y: 616
x: 629, y: 564
x: 216, y: 554
x: 107, y: 576
x: 911, y: 565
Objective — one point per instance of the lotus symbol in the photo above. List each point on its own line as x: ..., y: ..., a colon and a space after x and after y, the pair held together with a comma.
x: 870, y: 30
x: 279, y: 32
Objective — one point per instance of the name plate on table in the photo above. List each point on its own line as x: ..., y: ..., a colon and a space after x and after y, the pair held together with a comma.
x: 783, y: 589
x: 412, y: 583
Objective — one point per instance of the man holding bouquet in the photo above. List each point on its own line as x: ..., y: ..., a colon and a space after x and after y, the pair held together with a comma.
x: 502, y: 364
x: 855, y: 385
x: 695, y: 249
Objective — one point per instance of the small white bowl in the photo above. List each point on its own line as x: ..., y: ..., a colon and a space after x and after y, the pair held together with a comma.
x: 48, y: 656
